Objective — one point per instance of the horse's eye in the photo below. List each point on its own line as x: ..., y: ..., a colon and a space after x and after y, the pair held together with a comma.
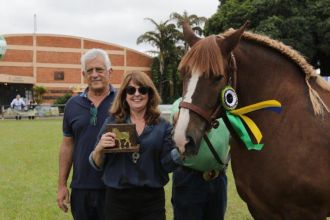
x: 229, y: 98
x: 217, y: 78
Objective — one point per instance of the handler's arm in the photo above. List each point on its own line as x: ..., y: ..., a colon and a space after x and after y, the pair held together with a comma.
x: 65, y: 163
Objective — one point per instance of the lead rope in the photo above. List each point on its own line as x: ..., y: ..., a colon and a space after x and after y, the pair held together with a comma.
x: 213, y: 151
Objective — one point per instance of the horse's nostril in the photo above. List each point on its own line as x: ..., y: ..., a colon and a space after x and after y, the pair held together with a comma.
x: 190, y: 146
x: 189, y: 139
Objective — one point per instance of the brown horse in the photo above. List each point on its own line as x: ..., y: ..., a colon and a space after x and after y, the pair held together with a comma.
x: 290, y: 177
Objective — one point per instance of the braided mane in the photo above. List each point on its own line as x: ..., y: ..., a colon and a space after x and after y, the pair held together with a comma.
x: 318, y: 105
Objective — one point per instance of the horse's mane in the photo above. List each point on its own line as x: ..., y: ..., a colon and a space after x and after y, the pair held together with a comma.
x: 297, y: 58
x: 204, y: 57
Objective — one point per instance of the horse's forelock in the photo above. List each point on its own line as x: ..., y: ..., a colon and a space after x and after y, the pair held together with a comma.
x: 205, y: 56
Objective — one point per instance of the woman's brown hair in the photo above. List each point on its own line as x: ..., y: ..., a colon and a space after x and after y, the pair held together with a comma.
x: 120, y: 109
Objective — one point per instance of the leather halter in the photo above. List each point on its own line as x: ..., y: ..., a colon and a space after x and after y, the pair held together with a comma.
x: 211, y: 116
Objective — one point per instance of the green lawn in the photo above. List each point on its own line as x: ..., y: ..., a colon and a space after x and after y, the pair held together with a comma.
x: 29, y: 168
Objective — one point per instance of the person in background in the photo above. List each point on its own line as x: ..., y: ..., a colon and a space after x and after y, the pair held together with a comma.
x: 32, y: 104
x: 83, y: 118
x: 18, y: 105
x: 199, y: 188
x: 135, y: 181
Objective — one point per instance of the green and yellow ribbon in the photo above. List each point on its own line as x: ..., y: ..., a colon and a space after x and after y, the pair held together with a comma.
x: 236, y: 116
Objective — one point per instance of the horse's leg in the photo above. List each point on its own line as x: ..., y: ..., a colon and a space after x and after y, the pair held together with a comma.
x: 285, y: 211
x: 310, y: 216
x: 259, y: 214
x: 294, y: 212
x: 258, y: 208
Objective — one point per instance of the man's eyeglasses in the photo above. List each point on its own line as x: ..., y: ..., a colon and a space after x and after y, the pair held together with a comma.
x: 142, y: 90
x: 96, y: 69
x: 93, y: 112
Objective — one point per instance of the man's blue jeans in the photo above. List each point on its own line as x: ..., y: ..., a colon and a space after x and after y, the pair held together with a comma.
x: 193, y: 198
x: 87, y: 204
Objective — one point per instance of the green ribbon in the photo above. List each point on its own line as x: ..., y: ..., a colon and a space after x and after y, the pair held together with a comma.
x: 241, y: 131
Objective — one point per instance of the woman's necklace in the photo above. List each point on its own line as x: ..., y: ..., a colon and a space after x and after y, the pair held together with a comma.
x: 135, y: 157
x: 140, y: 124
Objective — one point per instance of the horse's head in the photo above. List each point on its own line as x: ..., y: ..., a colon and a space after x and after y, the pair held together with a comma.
x: 205, y: 71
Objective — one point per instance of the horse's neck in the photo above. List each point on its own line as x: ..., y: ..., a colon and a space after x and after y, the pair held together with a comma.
x: 265, y: 74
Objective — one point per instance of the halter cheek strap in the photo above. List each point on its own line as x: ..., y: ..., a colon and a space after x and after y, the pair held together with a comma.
x: 202, y: 113
x: 209, y: 117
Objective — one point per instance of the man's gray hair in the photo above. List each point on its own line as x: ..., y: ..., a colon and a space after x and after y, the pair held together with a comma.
x: 93, y: 53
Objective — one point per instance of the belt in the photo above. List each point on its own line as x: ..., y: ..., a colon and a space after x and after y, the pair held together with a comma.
x: 206, y: 175
x: 210, y: 175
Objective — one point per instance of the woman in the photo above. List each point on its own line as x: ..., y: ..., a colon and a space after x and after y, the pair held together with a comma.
x: 135, y: 181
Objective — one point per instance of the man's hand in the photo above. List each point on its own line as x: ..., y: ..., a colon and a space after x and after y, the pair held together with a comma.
x: 63, y: 198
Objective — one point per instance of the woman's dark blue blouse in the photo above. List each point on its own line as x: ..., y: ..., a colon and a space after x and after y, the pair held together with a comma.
x: 158, y: 157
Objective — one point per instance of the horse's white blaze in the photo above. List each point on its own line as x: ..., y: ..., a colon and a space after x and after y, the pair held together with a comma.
x: 183, y: 120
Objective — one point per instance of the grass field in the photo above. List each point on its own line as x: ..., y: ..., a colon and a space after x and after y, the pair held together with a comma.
x: 29, y: 169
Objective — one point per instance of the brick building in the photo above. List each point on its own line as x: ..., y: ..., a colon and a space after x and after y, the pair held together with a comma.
x: 53, y: 61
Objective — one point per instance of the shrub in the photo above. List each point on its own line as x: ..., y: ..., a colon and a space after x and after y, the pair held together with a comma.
x: 61, y: 101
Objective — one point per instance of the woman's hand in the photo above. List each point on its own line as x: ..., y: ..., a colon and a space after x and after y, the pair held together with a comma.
x: 107, y: 141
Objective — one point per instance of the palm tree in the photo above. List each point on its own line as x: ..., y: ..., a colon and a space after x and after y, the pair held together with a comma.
x: 38, y: 92
x: 194, y: 21
x: 163, y: 38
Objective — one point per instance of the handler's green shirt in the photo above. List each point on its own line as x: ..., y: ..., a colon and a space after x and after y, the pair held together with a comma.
x: 204, y: 160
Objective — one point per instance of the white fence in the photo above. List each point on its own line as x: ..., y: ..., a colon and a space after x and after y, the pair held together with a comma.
x: 55, y: 111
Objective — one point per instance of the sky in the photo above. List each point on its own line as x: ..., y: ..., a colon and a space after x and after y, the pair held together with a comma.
x: 118, y: 22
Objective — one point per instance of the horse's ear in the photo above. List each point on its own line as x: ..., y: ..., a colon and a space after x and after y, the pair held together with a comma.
x: 231, y: 40
x: 188, y: 34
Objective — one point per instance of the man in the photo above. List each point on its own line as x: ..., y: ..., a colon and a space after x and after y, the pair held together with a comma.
x: 199, y: 189
x: 83, y: 117
x: 17, y: 104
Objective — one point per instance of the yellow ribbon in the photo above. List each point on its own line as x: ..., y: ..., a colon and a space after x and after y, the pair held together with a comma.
x: 250, y: 108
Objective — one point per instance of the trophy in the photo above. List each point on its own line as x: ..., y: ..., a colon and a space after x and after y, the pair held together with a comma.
x: 126, y: 138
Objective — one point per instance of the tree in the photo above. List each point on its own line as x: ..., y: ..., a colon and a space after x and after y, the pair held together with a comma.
x: 303, y: 24
x: 163, y: 37
x: 172, y: 82
x: 172, y: 85
x: 61, y: 101
x: 170, y: 48
x: 38, y: 92
x: 195, y: 22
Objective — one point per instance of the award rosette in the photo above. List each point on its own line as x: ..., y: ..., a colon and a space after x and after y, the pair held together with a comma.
x: 126, y: 138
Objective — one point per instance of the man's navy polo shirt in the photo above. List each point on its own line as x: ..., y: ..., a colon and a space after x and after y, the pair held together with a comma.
x: 76, y: 124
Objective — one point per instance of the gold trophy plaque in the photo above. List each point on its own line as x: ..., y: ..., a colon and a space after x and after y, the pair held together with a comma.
x: 126, y: 138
